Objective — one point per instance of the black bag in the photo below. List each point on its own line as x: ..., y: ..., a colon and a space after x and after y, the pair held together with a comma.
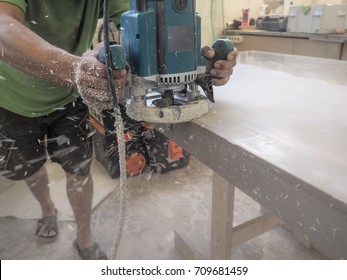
x: 164, y: 154
x: 145, y: 146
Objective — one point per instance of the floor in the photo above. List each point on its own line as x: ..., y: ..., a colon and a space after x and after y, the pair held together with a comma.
x: 157, y: 206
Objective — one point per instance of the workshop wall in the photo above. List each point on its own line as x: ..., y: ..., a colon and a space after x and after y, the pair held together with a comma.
x: 216, y: 13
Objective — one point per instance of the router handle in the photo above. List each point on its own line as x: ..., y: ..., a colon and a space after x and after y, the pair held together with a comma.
x: 222, y: 47
x: 118, y: 56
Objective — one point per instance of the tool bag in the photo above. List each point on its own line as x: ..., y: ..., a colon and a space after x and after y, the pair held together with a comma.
x: 163, y: 154
x: 146, y: 148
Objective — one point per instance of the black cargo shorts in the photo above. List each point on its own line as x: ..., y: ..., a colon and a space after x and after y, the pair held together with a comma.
x: 63, y: 136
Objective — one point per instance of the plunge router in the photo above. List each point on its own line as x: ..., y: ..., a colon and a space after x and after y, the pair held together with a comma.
x: 162, y: 43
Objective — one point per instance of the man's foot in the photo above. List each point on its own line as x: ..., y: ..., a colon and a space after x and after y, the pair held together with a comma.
x: 92, y: 253
x: 47, y: 229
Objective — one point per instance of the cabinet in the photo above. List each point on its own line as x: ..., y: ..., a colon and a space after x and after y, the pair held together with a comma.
x: 315, y: 45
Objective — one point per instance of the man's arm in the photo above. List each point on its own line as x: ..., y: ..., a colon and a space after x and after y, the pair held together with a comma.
x: 29, y: 53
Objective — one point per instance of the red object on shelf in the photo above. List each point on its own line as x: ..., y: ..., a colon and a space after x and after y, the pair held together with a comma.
x: 245, y: 13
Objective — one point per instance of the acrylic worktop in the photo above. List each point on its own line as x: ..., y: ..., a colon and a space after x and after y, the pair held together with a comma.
x: 278, y: 131
x: 290, y: 111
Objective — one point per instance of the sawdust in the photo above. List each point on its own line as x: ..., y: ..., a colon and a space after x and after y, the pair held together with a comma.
x: 171, y: 114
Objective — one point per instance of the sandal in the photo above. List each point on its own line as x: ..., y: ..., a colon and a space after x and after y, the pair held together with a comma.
x: 91, y: 253
x: 45, y: 224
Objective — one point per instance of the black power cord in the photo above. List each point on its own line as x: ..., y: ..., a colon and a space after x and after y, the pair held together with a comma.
x: 108, y: 59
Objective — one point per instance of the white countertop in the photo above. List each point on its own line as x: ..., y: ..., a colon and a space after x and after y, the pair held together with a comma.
x: 290, y: 111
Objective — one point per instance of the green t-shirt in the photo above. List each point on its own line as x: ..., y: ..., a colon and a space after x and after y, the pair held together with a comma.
x: 67, y: 24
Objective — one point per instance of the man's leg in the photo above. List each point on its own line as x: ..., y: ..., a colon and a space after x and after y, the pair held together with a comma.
x: 70, y: 145
x: 22, y: 157
x: 38, y: 185
x: 80, y: 194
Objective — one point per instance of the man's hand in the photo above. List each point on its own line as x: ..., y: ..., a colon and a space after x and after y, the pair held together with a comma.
x: 222, y: 69
x: 92, y: 84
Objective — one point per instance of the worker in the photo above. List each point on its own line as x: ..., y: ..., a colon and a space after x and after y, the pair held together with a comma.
x: 46, y: 67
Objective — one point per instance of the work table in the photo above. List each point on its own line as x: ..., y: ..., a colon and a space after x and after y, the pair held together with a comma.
x: 278, y: 132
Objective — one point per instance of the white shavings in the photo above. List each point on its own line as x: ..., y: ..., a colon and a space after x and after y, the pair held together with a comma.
x: 97, y: 72
x: 279, y: 213
x: 82, y: 164
x: 149, y: 175
x: 85, y: 181
x: 33, y: 22
x: 18, y: 167
x: 74, y: 119
x: 60, y: 140
x: 69, y: 80
x: 277, y: 171
x: 91, y: 133
x: 33, y: 185
x: 313, y: 228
